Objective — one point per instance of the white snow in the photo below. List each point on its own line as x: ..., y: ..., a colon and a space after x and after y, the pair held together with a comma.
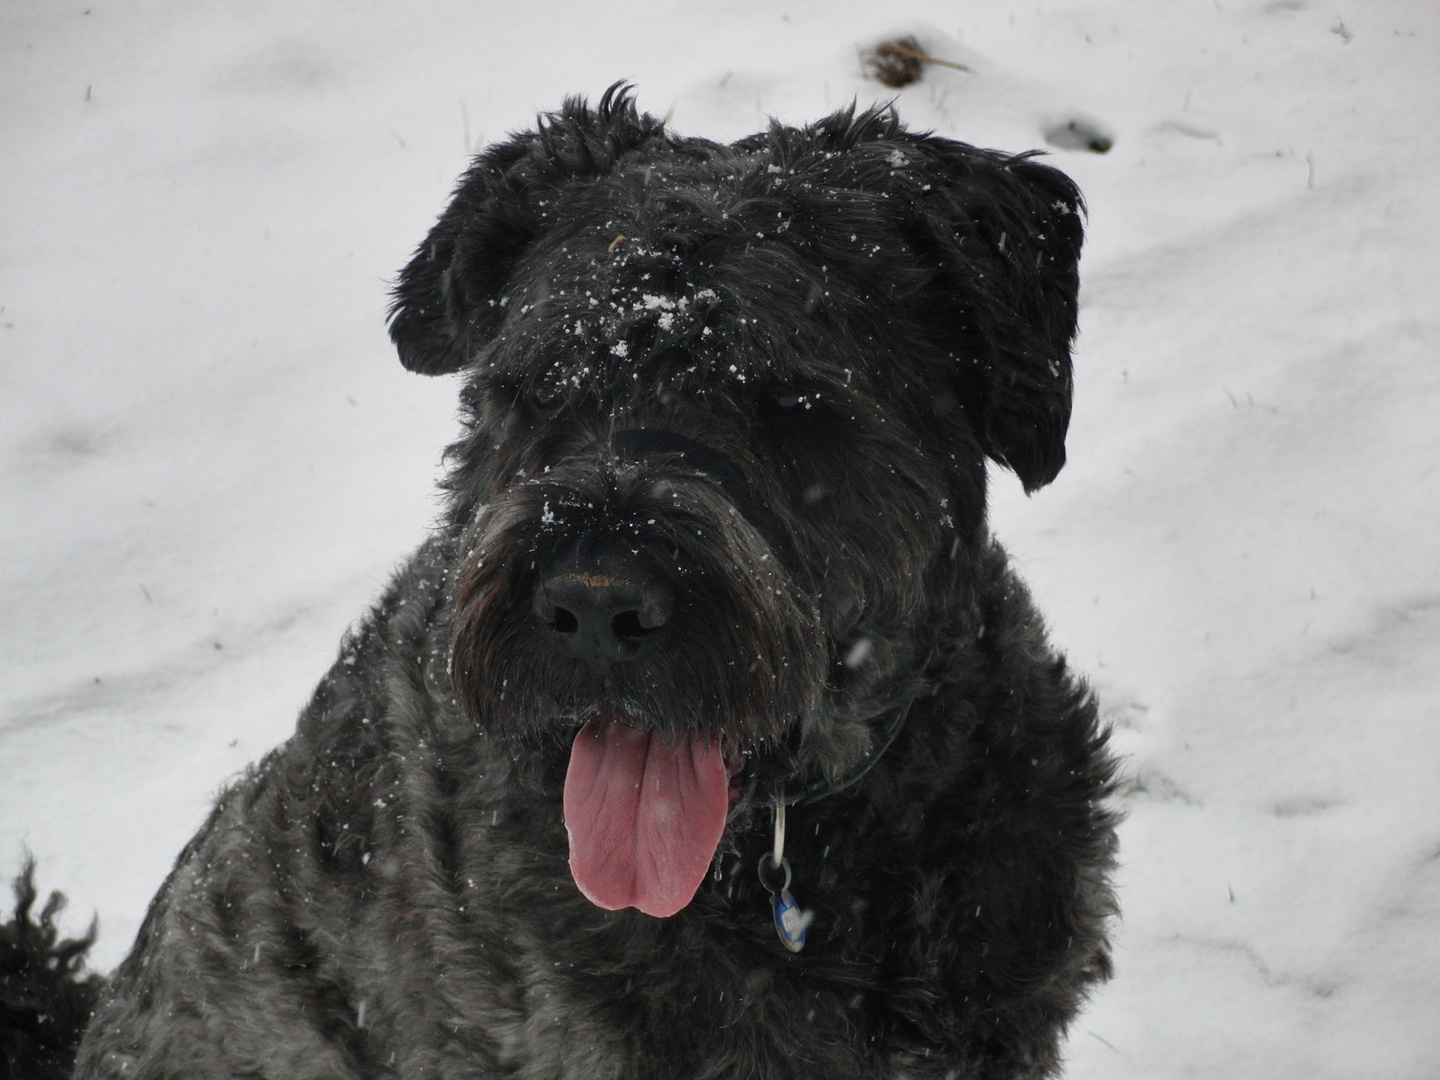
x: 210, y: 460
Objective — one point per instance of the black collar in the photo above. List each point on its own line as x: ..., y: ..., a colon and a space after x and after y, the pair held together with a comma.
x: 821, y: 788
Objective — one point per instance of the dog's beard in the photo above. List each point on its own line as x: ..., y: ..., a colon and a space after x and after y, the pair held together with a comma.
x: 660, y: 736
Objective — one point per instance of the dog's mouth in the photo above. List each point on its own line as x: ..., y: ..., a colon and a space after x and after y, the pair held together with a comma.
x: 645, y: 814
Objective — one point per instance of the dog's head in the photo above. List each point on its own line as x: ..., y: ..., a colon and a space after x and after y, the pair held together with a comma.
x: 723, y: 481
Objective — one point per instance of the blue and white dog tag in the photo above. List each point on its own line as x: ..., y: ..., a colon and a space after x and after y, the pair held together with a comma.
x: 791, y: 921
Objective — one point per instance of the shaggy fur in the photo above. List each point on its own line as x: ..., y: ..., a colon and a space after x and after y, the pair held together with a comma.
x: 758, y: 381
x: 45, y: 997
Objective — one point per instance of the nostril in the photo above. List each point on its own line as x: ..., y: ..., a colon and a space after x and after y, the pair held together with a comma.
x: 563, y: 622
x: 628, y: 626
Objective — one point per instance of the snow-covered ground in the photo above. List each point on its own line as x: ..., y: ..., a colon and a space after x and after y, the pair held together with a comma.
x: 210, y: 461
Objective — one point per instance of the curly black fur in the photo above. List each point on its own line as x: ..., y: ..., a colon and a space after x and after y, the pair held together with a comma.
x: 46, y: 997
x: 762, y: 380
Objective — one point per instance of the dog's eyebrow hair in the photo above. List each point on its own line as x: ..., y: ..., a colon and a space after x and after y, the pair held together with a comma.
x: 644, y: 442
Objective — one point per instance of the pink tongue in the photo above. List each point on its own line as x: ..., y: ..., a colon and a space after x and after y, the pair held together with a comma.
x: 644, y: 818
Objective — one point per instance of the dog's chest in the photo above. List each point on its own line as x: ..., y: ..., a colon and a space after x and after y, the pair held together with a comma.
x: 711, y: 992
x: 693, y: 1019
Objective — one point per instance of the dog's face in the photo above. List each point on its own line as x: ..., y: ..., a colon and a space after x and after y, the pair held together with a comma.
x: 724, y: 475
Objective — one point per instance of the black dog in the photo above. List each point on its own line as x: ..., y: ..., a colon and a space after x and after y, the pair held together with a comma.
x: 715, y: 557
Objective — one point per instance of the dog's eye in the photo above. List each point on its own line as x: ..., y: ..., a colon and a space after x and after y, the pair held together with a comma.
x: 787, y: 401
x: 508, y: 403
x: 544, y: 397
x: 535, y: 397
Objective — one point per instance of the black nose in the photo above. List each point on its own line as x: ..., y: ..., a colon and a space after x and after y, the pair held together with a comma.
x: 602, y: 609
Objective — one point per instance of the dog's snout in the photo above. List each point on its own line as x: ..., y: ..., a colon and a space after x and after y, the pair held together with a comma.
x: 602, y: 610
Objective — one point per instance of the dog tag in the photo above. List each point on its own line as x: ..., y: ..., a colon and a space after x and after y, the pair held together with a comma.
x: 790, y: 922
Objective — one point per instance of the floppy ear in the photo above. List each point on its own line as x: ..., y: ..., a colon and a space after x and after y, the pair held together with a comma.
x: 1007, y: 233
x: 446, y: 304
